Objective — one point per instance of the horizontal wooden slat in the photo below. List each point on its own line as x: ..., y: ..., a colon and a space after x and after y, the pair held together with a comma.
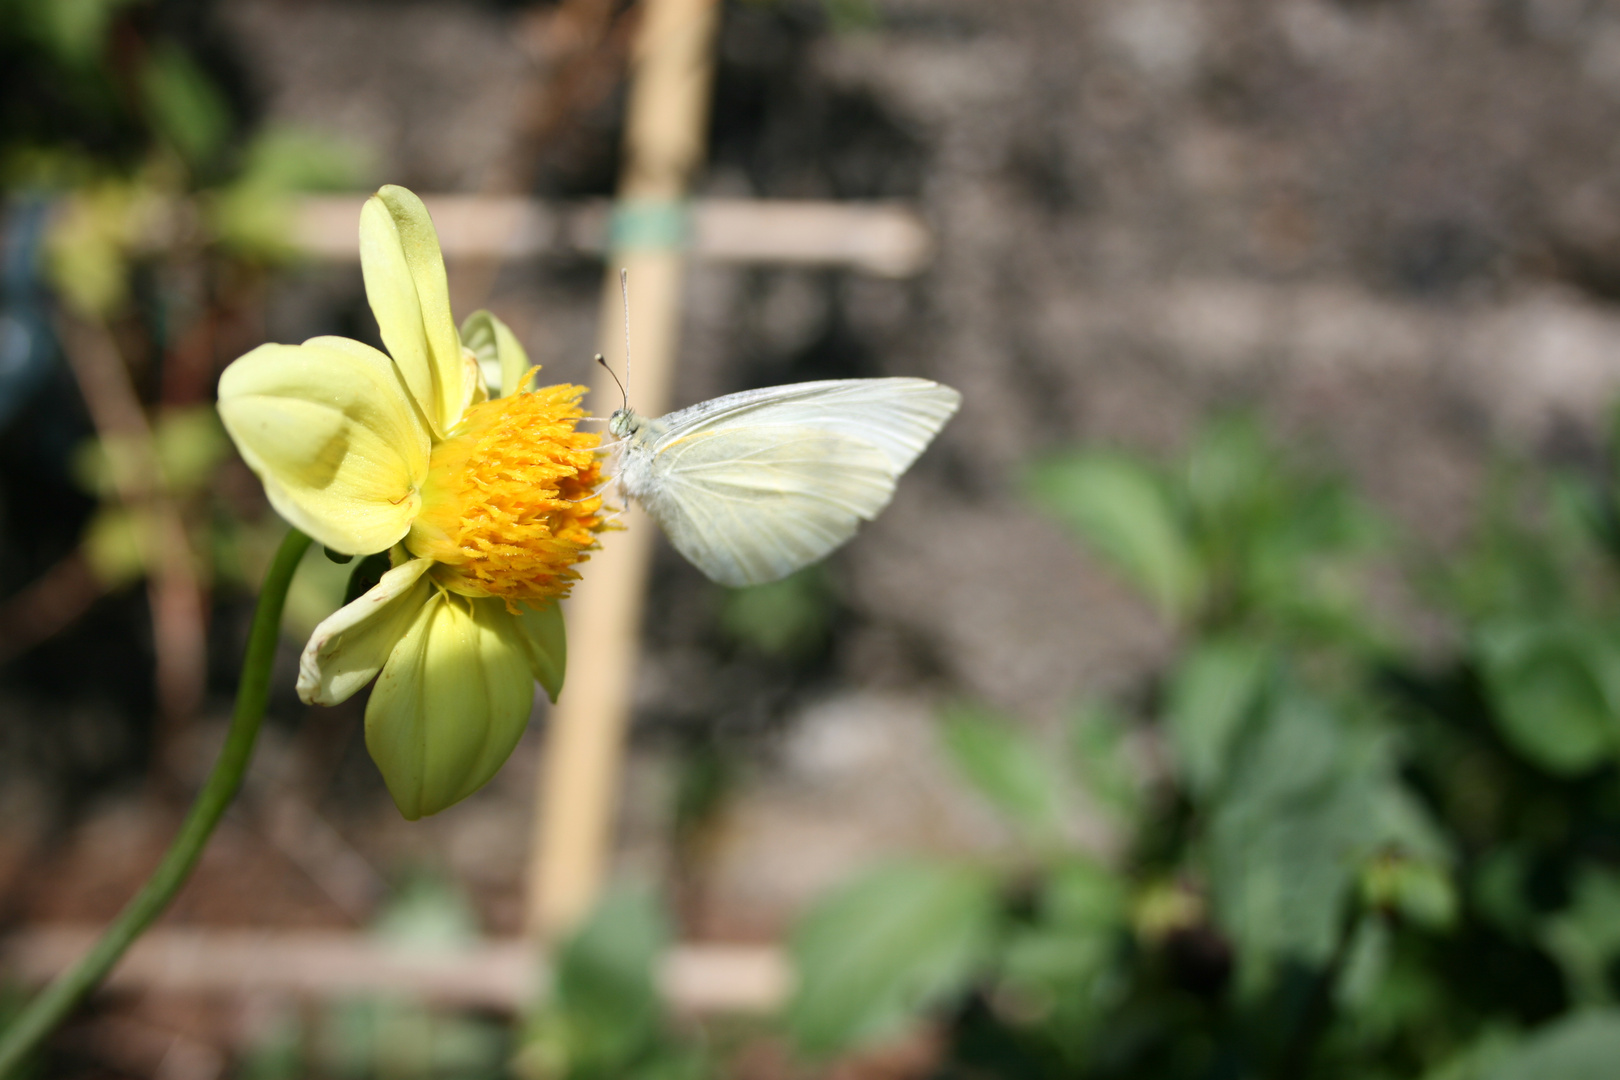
x: 501, y: 974
x: 876, y: 238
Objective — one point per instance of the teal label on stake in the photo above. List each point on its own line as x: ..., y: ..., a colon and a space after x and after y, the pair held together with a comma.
x: 642, y: 224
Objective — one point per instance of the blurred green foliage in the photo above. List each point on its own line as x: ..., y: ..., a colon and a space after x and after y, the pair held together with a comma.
x: 1342, y: 847
x: 896, y: 940
x: 118, y: 110
x: 604, y: 1018
x: 601, y: 1015
x: 385, y: 1035
x: 163, y: 207
x: 789, y: 619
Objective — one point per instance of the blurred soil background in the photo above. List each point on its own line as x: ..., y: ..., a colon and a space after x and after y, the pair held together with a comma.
x: 1390, y: 229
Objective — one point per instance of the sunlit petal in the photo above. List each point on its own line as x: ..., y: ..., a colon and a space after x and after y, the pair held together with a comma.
x: 406, y: 286
x: 450, y: 704
x: 331, y: 431
x: 348, y: 649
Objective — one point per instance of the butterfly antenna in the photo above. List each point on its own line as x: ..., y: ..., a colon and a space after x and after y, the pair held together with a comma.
x: 622, y: 392
x: 624, y: 294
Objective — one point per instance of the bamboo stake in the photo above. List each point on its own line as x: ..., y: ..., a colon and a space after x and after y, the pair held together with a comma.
x: 671, y: 71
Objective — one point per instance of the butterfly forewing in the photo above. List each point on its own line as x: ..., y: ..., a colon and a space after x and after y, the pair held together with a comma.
x: 899, y: 416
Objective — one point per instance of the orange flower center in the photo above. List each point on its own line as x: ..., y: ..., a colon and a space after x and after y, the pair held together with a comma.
x: 510, y: 503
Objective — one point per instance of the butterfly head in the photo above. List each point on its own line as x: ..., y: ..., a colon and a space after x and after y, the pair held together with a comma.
x: 624, y: 422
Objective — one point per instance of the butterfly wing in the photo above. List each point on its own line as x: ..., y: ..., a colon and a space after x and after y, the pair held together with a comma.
x: 751, y: 505
x: 900, y: 416
x: 753, y: 486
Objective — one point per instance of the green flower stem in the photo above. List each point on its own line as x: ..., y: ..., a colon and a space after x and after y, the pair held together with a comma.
x: 53, y: 1005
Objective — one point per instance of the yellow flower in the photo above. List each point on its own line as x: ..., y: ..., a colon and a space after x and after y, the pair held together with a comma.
x: 484, y: 505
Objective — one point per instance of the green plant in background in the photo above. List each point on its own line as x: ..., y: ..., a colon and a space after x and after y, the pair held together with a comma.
x: 600, y: 1015
x: 1356, y: 853
x: 381, y: 1035
x: 162, y: 209
x: 604, y: 1017
x: 788, y: 619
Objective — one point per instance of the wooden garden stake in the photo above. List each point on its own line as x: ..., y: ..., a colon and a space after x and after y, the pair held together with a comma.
x: 671, y: 70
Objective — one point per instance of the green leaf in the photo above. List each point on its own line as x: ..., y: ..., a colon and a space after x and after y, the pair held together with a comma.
x: 1043, y: 959
x: 187, y: 443
x: 75, y: 30
x: 886, y: 946
x: 1548, y: 701
x: 1081, y: 894
x: 1104, y: 765
x: 1366, y: 963
x: 545, y: 643
x: 190, y: 443
x: 1495, y: 1043
x: 1284, y: 844
x: 183, y: 104
x: 254, y: 214
x: 1401, y: 823
x: 1062, y: 975
x: 1419, y: 890
x: 1231, y: 474
x: 1586, y: 937
x: 1585, y: 1046
x: 1211, y: 694
x: 605, y: 985
x: 427, y: 913
x: 605, y: 1019
x: 790, y: 618
x: 1004, y: 765
x: 1498, y: 891
x: 1120, y: 509
x: 289, y: 159
x: 116, y: 543
x: 88, y: 246
x: 1064, y: 968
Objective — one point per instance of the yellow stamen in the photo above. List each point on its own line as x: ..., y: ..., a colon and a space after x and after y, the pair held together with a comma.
x: 510, y: 503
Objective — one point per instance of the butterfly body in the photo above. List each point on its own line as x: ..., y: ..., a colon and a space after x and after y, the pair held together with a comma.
x: 753, y: 486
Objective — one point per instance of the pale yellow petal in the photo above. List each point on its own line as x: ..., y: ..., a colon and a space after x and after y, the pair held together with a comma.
x: 545, y: 643
x: 409, y: 295
x: 451, y: 703
x: 492, y: 340
x: 351, y: 645
x: 333, y: 435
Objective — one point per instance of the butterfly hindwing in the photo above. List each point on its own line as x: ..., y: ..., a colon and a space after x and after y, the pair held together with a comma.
x: 750, y: 505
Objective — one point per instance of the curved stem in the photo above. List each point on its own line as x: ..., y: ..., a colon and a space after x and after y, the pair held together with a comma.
x: 65, y: 992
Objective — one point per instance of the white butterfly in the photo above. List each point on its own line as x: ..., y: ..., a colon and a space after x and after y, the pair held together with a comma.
x: 752, y: 486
